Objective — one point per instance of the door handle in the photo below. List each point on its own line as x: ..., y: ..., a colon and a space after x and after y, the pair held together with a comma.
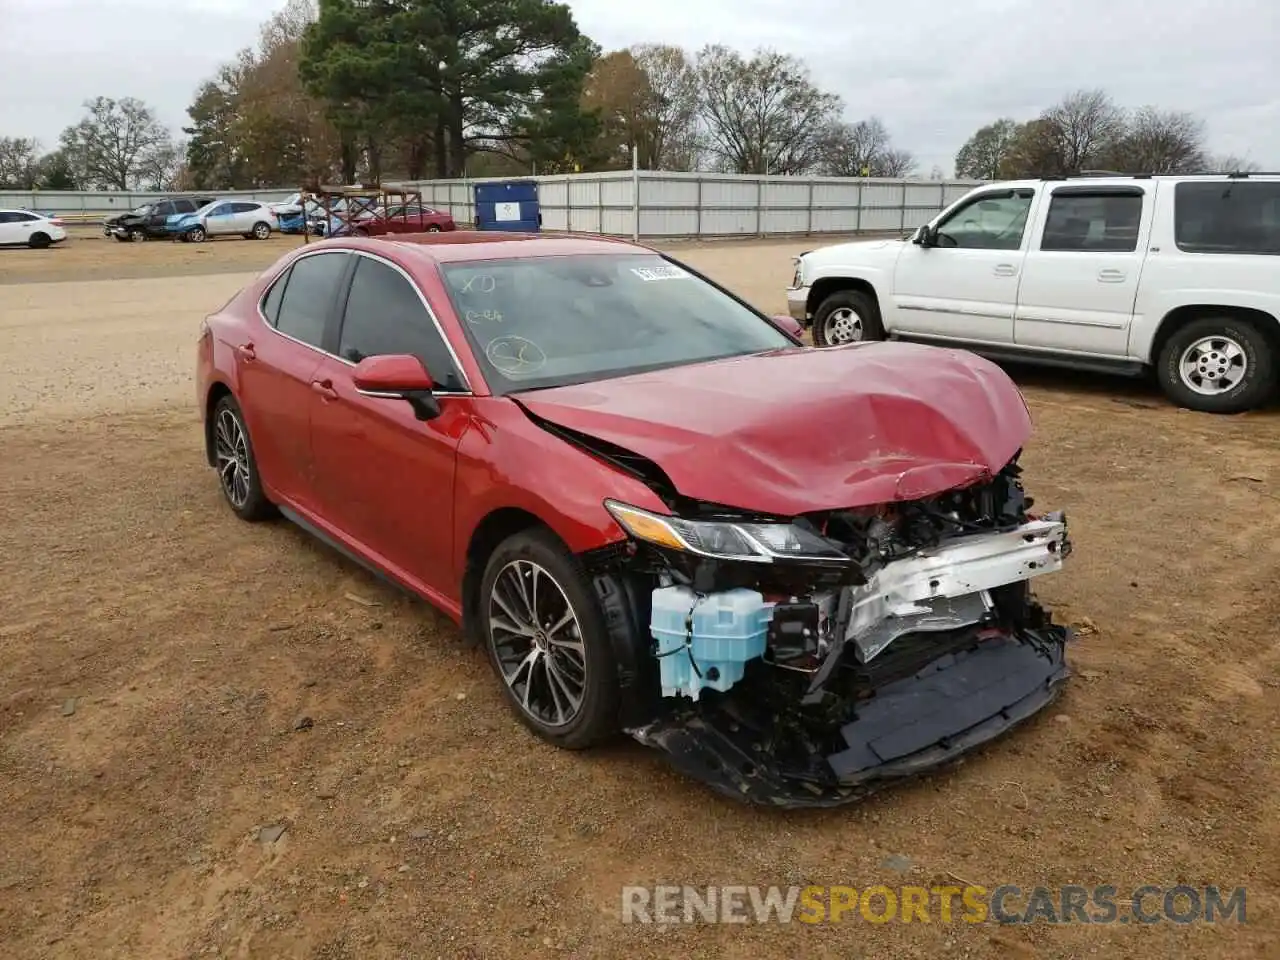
x: 246, y: 351
x: 325, y: 389
x: 1111, y: 276
x: 1005, y: 270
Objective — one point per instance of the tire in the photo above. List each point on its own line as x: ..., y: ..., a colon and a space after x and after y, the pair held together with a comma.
x: 195, y: 235
x: 261, y: 230
x: 236, y: 465
x: 137, y: 235
x: 434, y: 228
x: 359, y: 232
x: 846, y: 316
x: 589, y: 669
x: 121, y: 239
x: 1218, y: 350
x: 38, y: 241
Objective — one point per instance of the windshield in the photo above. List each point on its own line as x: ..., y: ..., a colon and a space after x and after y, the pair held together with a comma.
x: 551, y: 321
x: 144, y: 209
x: 207, y: 207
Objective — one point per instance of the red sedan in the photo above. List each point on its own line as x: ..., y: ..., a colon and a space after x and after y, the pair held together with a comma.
x: 799, y: 572
x: 405, y: 218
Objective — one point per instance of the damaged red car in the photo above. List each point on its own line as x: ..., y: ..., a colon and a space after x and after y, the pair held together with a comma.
x: 800, y: 573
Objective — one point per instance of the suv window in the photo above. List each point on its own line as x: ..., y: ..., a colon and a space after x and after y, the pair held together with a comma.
x: 1227, y: 217
x: 992, y: 221
x: 307, y: 299
x: 385, y: 315
x: 243, y: 207
x: 162, y: 209
x: 184, y: 206
x: 1104, y: 221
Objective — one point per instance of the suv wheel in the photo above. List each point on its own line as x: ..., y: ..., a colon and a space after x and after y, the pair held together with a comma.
x: 195, y: 235
x: 261, y: 230
x: 137, y: 234
x: 846, y: 316
x: 547, y: 640
x: 1217, y: 365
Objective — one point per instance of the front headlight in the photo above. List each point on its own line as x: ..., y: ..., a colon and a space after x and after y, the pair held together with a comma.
x: 725, y: 539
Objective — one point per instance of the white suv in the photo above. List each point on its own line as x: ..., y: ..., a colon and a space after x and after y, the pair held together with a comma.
x: 1180, y: 275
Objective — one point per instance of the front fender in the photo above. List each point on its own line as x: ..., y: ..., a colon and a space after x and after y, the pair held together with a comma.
x: 506, y: 461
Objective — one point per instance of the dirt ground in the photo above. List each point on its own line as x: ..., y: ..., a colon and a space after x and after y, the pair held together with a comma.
x: 158, y: 658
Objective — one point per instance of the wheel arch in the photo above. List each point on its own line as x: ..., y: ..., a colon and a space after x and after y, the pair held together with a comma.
x: 1267, y: 324
x: 823, y: 287
x: 495, y: 527
x: 217, y: 390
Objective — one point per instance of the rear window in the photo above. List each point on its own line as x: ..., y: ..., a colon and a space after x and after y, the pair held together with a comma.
x: 1235, y: 216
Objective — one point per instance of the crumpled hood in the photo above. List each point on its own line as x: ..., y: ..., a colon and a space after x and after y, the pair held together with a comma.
x: 806, y: 429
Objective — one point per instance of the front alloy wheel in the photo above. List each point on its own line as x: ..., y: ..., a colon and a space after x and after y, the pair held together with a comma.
x: 233, y: 459
x: 548, y: 642
x: 538, y: 643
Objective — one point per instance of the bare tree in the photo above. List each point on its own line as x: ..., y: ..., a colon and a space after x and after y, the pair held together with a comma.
x: 673, y: 106
x: 762, y: 115
x: 862, y: 149
x: 1156, y: 141
x: 162, y: 168
x: 19, y: 163
x: 112, y: 145
x: 986, y: 151
x: 1083, y: 128
x: 1229, y: 163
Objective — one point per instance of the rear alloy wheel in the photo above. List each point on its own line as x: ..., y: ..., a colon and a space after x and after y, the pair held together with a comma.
x: 261, y: 231
x: 195, y: 235
x: 846, y: 316
x: 137, y: 235
x: 235, y: 463
x: 1217, y: 365
x: 547, y: 641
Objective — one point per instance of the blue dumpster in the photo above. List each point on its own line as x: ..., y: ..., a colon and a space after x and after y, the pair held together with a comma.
x: 510, y: 205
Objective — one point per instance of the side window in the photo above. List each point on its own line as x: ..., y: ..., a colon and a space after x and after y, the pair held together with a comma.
x: 309, y: 296
x: 1234, y: 216
x: 6, y: 217
x: 1093, y: 222
x: 271, y: 302
x: 221, y: 210
x: 184, y: 206
x: 22, y: 218
x: 990, y: 222
x: 385, y: 315
x: 243, y: 207
x: 162, y: 209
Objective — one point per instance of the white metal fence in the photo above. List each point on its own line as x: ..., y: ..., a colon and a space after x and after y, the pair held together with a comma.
x: 641, y: 203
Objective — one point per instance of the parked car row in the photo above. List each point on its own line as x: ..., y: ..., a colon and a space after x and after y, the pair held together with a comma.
x: 1174, y: 276
x: 193, y: 219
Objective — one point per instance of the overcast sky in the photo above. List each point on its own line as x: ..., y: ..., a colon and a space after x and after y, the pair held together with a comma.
x: 933, y: 70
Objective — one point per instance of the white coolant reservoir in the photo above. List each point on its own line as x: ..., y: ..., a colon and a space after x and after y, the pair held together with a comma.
x: 705, y: 642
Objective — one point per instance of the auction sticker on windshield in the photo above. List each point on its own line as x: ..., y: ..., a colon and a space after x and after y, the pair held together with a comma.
x: 667, y: 271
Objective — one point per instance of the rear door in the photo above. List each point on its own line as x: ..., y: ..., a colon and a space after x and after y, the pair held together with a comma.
x: 12, y: 228
x: 1080, y: 278
x: 276, y: 368
x: 159, y: 217
x: 246, y: 215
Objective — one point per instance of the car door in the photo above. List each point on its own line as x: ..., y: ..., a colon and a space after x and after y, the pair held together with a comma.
x: 385, y: 477
x: 11, y: 230
x: 275, y: 369
x: 966, y: 286
x: 1080, y: 279
x: 220, y: 220
x: 245, y: 215
x: 158, y: 217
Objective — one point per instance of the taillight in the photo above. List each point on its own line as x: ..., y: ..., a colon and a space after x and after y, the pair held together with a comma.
x: 56, y: 222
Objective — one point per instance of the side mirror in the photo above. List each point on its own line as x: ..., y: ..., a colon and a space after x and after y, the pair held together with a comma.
x: 788, y: 325
x: 926, y: 236
x: 399, y: 376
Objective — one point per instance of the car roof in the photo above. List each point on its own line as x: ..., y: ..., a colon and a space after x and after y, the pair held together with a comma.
x: 468, y: 245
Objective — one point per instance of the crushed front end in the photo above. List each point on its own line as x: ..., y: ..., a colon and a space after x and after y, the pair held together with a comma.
x: 804, y: 661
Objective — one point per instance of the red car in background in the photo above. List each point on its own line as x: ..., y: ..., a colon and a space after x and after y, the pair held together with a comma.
x: 799, y: 572
x: 405, y: 218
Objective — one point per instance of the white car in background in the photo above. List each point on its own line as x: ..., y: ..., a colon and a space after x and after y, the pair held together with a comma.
x: 28, y: 229
x: 1178, y: 276
x: 225, y: 218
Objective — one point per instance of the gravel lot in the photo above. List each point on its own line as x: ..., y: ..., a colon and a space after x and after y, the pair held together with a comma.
x: 158, y: 658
